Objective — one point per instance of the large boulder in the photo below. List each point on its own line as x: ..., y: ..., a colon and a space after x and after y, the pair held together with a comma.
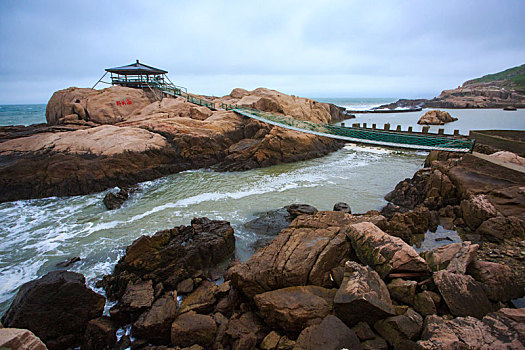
x: 477, y: 209
x: 498, y: 281
x: 436, y: 117
x: 202, y: 299
x: 463, y: 295
x: 385, y: 253
x: 455, y: 257
x: 191, y: 328
x: 271, y: 222
x: 499, y: 228
x: 136, y: 299
x: 497, y: 330
x: 246, y: 330
x: 56, y: 307
x: 301, y: 254
x: 330, y: 334
x: 15, y: 338
x: 171, y: 256
x: 363, y: 296
x: 291, y: 309
x: 107, y: 106
x: 406, y: 225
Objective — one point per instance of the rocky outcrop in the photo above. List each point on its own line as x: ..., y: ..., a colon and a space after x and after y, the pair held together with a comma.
x: 119, y: 136
x: 56, y: 308
x: 192, y: 328
x: 436, y: 117
x: 497, y: 280
x: 302, y: 254
x: 171, y: 256
x: 14, y: 338
x: 497, y: 330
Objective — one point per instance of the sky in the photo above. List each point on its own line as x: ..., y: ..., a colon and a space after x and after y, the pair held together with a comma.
x: 395, y: 49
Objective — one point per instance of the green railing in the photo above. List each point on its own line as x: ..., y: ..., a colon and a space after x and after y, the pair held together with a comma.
x: 372, y: 136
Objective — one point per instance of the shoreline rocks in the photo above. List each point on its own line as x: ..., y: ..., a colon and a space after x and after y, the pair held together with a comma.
x: 436, y: 117
x: 91, y: 143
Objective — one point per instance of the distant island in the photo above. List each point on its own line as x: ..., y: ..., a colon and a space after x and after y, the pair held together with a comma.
x: 499, y: 90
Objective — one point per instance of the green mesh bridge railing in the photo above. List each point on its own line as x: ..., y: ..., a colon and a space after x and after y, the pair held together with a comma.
x: 371, y: 136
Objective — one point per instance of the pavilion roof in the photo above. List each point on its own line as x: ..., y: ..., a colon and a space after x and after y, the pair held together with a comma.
x: 136, y: 68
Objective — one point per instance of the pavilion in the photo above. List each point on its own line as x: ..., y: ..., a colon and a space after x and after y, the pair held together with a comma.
x: 136, y: 75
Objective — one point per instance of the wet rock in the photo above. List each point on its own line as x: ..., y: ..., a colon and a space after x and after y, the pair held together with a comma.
x: 400, y: 331
x: 330, y: 334
x: 436, y: 117
x: 455, y: 256
x: 342, y: 206
x: 390, y: 209
x: 154, y: 324
x: 56, y: 308
x: 405, y: 225
x: 100, y: 334
x: 300, y: 209
x: 292, y: 309
x: 192, y: 328
x: 185, y: 286
x: 385, y: 253
x: 171, y: 256
x: 363, y: 296
x: 14, y: 338
x: 302, y: 254
x: 495, y: 331
x: 477, y: 209
x: 270, y: 223
x: 202, y: 299
x: 402, y: 290
x: 498, y: 281
x: 115, y: 200
x: 409, y: 193
x: 462, y: 294
x: 499, y: 228
x: 68, y: 262
x: 136, y: 299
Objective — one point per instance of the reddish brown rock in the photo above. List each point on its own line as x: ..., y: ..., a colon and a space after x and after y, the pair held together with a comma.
x: 291, y: 309
x: 363, y: 296
x: 402, y: 290
x: 136, y: 299
x: 56, y: 308
x: 495, y: 331
x: 246, y: 330
x: 405, y: 225
x: 498, y: 281
x: 462, y: 294
x: 385, y: 253
x: 330, y: 334
x: 499, y: 228
x: 401, y: 331
x: 454, y: 257
x: 477, y: 209
x: 192, y: 328
x: 302, y: 254
x: 202, y: 299
x: 155, y: 323
x: 15, y: 338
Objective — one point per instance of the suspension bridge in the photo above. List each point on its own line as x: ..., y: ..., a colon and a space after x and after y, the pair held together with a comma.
x: 410, y: 140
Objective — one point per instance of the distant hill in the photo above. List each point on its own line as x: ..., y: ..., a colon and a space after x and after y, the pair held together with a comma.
x: 512, y: 79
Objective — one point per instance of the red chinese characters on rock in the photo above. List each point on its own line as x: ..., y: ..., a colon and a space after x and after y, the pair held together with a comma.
x: 124, y: 102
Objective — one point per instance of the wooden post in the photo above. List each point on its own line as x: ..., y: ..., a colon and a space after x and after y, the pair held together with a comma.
x: 364, y: 125
x: 386, y: 126
x: 456, y: 132
x: 343, y: 125
x: 425, y: 129
x: 441, y: 131
x: 409, y: 129
x: 374, y: 126
x: 355, y: 125
x: 398, y: 128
